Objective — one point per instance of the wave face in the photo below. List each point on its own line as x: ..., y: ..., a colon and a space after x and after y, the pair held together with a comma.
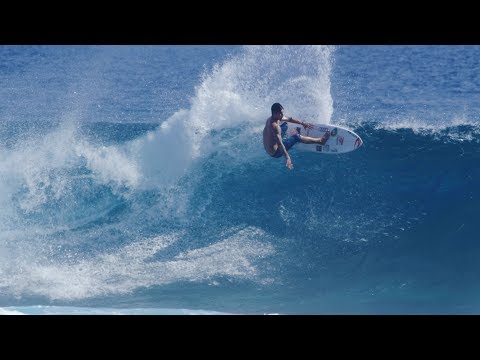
x: 135, y: 178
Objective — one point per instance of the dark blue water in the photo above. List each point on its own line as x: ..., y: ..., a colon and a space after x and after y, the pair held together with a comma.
x: 134, y: 177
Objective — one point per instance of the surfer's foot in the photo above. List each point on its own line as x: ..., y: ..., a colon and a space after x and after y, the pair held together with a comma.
x: 324, y: 138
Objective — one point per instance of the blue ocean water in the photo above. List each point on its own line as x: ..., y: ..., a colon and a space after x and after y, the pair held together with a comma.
x: 133, y: 179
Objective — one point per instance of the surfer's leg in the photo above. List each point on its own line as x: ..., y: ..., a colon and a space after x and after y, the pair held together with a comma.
x: 292, y: 140
x: 311, y: 140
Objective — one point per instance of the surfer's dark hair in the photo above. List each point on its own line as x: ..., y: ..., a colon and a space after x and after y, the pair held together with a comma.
x: 276, y: 108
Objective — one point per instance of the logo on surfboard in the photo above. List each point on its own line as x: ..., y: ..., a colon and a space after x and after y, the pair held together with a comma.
x: 357, y: 144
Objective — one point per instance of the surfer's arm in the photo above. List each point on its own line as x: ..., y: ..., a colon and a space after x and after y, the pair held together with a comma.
x: 296, y: 121
x: 278, y: 134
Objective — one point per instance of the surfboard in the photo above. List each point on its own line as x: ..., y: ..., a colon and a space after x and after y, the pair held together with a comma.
x: 341, y: 140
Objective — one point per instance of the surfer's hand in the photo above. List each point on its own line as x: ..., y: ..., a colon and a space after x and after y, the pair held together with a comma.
x: 307, y: 125
x: 289, y: 164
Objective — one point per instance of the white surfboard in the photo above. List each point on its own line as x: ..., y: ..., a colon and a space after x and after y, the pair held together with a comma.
x: 341, y: 140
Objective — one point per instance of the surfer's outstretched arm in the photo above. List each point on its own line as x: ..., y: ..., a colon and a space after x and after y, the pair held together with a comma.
x: 297, y: 121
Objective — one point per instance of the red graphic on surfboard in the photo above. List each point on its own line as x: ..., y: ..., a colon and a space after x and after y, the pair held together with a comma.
x: 357, y: 144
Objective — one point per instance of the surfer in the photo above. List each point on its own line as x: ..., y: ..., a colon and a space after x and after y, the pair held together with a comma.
x: 274, y: 133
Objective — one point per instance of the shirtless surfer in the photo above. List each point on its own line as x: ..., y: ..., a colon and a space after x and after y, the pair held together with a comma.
x: 274, y: 133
